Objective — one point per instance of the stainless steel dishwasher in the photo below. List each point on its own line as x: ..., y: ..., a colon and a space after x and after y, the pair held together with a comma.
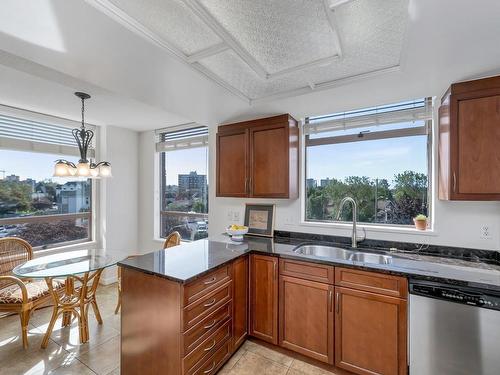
x: 454, y: 330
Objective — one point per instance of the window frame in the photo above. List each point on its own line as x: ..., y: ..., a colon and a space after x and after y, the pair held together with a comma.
x: 90, y: 240
x: 380, y: 227
x: 160, y: 164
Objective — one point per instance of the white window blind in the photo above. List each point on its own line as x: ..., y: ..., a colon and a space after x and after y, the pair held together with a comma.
x: 411, y: 111
x: 181, y: 137
x: 21, y: 130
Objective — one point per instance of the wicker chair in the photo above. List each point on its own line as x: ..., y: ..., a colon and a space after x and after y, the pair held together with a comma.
x: 172, y: 240
x: 20, y: 296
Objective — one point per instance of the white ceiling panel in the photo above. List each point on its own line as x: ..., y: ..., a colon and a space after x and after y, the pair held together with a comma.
x: 279, y: 34
x: 269, y: 48
x: 235, y: 72
x: 172, y: 21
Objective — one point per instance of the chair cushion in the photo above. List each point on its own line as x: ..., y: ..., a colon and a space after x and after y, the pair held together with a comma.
x: 36, y: 289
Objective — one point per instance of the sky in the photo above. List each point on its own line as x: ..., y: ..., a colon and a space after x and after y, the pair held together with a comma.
x: 376, y: 159
x: 185, y: 161
x: 33, y: 165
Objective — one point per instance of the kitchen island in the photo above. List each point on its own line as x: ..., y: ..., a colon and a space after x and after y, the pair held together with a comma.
x: 185, y: 310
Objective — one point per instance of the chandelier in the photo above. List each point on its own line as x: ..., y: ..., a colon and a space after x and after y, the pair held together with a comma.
x: 85, y: 167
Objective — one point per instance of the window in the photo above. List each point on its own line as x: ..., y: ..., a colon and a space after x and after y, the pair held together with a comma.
x: 184, y: 181
x: 379, y: 156
x: 41, y: 209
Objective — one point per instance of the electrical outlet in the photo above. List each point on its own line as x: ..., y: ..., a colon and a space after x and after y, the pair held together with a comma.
x: 230, y: 215
x: 485, y: 233
x: 236, y: 216
x: 289, y: 220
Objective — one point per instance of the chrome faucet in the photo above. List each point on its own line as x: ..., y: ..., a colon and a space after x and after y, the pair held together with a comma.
x: 355, y: 238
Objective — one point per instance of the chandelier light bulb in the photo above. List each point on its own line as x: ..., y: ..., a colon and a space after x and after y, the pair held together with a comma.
x: 105, y: 170
x: 61, y: 169
x: 94, y: 172
x: 82, y: 169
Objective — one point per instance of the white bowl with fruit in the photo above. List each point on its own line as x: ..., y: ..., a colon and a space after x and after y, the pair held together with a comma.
x: 236, y: 232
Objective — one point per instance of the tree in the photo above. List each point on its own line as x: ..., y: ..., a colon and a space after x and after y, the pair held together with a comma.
x: 14, y: 197
x: 410, y: 196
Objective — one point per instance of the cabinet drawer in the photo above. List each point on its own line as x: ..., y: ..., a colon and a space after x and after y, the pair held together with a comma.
x: 374, y: 282
x: 212, y: 364
x: 198, y: 310
x: 209, y: 346
x: 206, y: 327
x: 307, y: 270
x: 198, y: 288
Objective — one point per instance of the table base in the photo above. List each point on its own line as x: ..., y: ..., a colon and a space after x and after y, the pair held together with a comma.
x: 74, y: 301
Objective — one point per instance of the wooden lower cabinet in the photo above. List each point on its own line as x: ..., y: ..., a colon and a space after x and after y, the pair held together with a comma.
x: 240, y: 301
x: 370, y: 332
x: 306, y: 317
x: 264, y: 298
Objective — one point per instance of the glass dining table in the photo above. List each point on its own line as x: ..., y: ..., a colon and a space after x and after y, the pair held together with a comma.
x: 81, y: 270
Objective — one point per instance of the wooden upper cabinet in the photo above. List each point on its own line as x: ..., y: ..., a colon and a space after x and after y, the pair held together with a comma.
x: 469, y: 135
x: 264, y: 298
x: 232, y: 159
x: 258, y: 158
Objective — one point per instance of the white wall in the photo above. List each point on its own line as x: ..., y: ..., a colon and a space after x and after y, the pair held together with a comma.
x: 148, y: 193
x: 118, y: 224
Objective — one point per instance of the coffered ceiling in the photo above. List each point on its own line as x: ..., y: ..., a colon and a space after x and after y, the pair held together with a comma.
x: 265, y: 49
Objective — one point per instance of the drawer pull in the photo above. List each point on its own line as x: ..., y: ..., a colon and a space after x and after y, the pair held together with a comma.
x: 211, y: 303
x: 211, y: 281
x: 211, y: 324
x: 211, y: 368
x: 211, y: 346
x: 338, y: 302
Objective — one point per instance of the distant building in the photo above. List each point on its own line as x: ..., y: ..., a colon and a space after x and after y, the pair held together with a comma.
x: 326, y: 181
x: 311, y: 183
x: 193, y: 183
x: 30, y: 182
x: 12, y: 178
x: 73, y: 196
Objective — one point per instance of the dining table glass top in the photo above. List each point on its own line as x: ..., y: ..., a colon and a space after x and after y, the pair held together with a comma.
x: 68, y: 263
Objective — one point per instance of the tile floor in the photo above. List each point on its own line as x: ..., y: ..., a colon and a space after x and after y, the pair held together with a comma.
x: 101, y: 355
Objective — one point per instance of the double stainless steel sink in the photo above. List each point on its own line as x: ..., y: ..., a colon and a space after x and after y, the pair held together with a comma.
x: 332, y: 252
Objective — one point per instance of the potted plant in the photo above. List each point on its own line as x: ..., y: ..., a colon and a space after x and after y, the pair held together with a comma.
x: 420, y: 222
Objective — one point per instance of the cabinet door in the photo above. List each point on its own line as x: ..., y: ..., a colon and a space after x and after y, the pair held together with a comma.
x: 264, y: 298
x: 370, y: 333
x: 240, y: 301
x: 232, y: 164
x: 269, y: 162
x: 306, y: 317
x: 478, y: 170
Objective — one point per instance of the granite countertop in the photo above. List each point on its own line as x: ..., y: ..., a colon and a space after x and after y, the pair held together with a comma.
x: 189, y: 261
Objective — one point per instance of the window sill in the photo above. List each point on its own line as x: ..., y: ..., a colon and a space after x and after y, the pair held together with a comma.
x: 64, y: 248
x: 373, y: 228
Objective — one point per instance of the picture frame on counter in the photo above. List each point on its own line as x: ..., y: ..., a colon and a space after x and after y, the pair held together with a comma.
x: 259, y: 218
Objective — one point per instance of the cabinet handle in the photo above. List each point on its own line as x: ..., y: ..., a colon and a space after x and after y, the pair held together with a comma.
x: 211, y: 346
x: 211, y: 324
x: 454, y: 182
x: 211, y: 281
x: 330, y: 300
x: 337, y: 297
x: 274, y: 269
x: 210, y: 303
x: 211, y: 368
